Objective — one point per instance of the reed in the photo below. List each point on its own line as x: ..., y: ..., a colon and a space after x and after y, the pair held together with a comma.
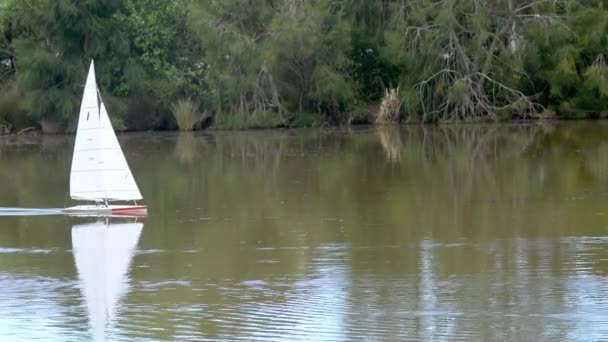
x: 186, y: 114
x: 389, y: 107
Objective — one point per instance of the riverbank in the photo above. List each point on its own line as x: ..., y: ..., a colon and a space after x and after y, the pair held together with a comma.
x: 260, y: 125
x: 258, y: 65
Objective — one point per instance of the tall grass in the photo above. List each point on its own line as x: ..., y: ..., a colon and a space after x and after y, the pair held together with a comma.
x: 389, y: 107
x: 186, y: 114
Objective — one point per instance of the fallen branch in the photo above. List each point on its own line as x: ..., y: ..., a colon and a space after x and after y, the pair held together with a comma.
x: 25, y: 130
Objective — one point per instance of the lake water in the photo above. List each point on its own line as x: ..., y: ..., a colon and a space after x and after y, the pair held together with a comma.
x: 477, y: 232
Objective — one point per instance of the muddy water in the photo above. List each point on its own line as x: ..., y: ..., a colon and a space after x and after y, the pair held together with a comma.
x: 440, y: 233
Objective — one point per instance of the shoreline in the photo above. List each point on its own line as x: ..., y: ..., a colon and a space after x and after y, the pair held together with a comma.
x: 36, y: 131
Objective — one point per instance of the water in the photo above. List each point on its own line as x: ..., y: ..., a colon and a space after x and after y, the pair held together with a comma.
x: 480, y: 232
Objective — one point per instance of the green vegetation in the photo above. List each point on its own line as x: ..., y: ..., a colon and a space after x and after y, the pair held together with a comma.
x: 389, y: 107
x: 186, y: 114
x: 281, y: 63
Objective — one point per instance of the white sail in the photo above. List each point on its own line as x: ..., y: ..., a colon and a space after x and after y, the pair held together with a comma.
x: 99, y: 168
x: 103, y: 254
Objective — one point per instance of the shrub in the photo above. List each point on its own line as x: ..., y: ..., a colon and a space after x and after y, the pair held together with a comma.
x: 12, y: 112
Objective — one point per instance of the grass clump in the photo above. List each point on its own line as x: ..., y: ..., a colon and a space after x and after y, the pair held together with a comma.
x: 186, y: 114
x: 389, y: 107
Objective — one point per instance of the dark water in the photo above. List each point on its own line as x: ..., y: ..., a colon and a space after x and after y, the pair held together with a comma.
x: 440, y: 233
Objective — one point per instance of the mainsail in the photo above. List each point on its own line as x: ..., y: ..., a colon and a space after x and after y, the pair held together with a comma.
x: 99, y: 169
x: 103, y: 254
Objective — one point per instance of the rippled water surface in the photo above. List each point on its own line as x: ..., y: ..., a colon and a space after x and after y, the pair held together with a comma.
x: 440, y: 233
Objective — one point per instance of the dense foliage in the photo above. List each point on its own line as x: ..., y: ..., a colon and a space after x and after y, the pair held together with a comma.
x: 271, y: 63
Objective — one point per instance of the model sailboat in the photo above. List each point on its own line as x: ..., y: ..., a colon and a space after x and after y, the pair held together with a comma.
x: 103, y: 252
x: 100, y: 172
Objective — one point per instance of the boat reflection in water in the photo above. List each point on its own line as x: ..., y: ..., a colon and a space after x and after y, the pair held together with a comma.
x: 103, y: 252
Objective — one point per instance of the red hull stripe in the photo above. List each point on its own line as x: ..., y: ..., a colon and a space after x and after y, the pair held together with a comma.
x: 129, y: 214
x: 134, y: 208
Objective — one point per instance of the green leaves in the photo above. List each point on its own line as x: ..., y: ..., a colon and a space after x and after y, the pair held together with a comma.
x: 54, y: 45
x: 568, y: 61
x: 269, y: 61
x: 457, y: 93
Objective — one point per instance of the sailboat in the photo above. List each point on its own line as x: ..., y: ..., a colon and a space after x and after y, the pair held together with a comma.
x: 100, y: 172
x: 103, y: 252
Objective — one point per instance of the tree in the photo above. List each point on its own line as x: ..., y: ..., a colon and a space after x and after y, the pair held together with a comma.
x: 52, y: 54
x: 463, y: 59
x: 568, y: 62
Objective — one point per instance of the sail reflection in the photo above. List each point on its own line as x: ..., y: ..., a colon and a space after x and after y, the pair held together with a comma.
x: 103, y: 252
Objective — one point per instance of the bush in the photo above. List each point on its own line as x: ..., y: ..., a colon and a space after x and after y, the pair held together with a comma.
x: 12, y: 114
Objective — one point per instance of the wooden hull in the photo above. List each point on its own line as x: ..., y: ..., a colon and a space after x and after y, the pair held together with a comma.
x: 107, y: 210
